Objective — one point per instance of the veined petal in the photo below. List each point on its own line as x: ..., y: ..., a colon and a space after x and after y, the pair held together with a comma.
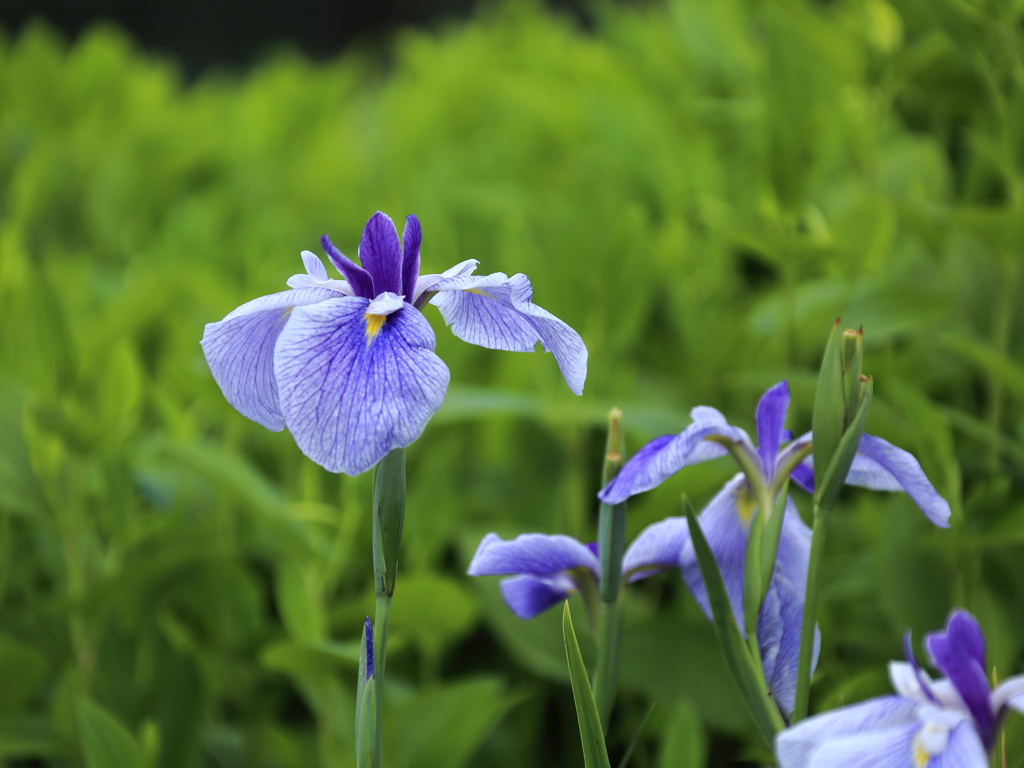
x: 385, y: 304
x: 771, y: 425
x: 497, y: 312
x: 963, y: 750
x: 726, y: 534
x: 426, y: 283
x: 534, y: 554
x: 889, y: 748
x: 664, y: 456
x: 795, y: 746
x: 240, y: 352
x: 959, y: 651
x: 381, y: 254
x: 412, y: 236
x: 658, y: 548
x: 528, y: 596
x: 882, y: 466
x: 358, y: 278
x: 349, y: 397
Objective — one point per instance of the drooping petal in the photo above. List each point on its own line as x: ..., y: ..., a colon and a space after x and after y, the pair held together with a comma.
x: 497, y: 312
x: 664, y: 456
x: 412, y: 236
x: 357, y: 277
x: 883, y: 466
x: 771, y: 425
x: 959, y: 652
x: 726, y: 534
x: 534, y: 554
x: 795, y: 746
x: 348, y: 396
x: 528, y: 596
x: 240, y: 352
x: 963, y: 750
x: 889, y: 748
x: 658, y: 548
x: 426, y: 283
x: 380, y: 253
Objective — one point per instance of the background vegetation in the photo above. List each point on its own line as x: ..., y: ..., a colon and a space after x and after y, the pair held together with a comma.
x: 698, y: 188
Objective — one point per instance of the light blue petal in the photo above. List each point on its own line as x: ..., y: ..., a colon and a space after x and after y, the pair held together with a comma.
x: 964, y: 750
x: 661, y: 458
x: 528, y: 596
x: 240, y: 352
x: 658, y: 548
x: 771, y: 424
x: 888, y: 715
x: 426, y: 283
x: 890, y: 748
x: 535, y: 554
x: 497, y: 312
x: 727, y: 536
x: 1010, y: 693
x: 883, y: 466
x: 347, y: 398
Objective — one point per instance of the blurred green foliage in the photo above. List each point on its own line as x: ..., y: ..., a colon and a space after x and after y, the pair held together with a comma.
x: 699, y: 188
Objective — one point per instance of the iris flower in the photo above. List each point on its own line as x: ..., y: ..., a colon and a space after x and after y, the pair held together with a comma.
x: 348, y: 366
x: 548, y: 569
x: 946, y: 723
x: 726, y: 520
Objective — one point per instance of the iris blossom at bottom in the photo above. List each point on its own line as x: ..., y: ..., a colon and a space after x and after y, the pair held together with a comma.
x: 946, y: 723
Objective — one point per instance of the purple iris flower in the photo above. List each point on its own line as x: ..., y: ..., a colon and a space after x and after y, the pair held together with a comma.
x: 548, y: 569
x: 946, y: 723
x: 348, y: 366
x: 726, y: 519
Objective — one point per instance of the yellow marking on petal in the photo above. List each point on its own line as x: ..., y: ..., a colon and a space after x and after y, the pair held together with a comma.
x: 474, y: 290
x: 921, y: 757
x: 373, y: 325
x: 746, y: 504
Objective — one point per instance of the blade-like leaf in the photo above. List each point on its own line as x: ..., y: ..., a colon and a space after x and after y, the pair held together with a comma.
x: 106, y: 743
x: 770, y: 540
x: 829, y: 417
x: 595, y: 755
x: 835, y: 476
x: 745, y: 674
x: 636, y: 738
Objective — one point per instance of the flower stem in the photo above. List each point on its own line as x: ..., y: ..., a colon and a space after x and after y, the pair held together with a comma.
x: 388, y: 519
x: 611, y: 543
x: 803, y: 675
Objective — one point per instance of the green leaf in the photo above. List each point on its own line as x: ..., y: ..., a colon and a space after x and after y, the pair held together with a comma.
x: 105, y: 742
x: 624, y: 762
x: 684, y: 744
x: 388, y: 518
x: 770, y: 538
x: 595, y: 755
x: 745, y: 674
x: 832, y: 483
x: 366, y: 725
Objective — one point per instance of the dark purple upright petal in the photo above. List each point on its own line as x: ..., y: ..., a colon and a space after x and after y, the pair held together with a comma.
x: 535, y: 554
x: 771, y: 421
x: 351, y: 392
x: 357, y: 277
x: 959, y: 652
x: 381, y: 254
x: 411, y: 238
x: 882, y: 466
x: 528, y: 596
x: 240, y: 352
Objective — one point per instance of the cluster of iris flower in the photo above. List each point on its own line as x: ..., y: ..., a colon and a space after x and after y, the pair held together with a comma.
x: 348, y: 367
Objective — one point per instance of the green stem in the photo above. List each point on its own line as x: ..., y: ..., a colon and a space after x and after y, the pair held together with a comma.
x: 803, y: 675
x: 388, y: 519
x: 609, y: 654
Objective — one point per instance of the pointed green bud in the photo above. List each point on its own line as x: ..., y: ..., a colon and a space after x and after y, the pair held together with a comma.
x: 615, y: 447
x: 829, y: 419
x: 388, y: 518
x: 366, y: 725
x: 853, y: 357
x: 835, y: 475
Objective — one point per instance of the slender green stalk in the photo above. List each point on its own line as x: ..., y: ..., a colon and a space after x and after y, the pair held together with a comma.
x: 611, y: 544
x: 388, y: 519
x: 803, y: 675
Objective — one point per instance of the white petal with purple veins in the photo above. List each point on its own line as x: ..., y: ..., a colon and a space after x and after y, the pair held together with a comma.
x: 425, y: 283
x: 349, y: 396
x: 963, y: 749
x: 497, y: 312
x: 385, y: 304
x: 240, y: 352
x: 316, y: 276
